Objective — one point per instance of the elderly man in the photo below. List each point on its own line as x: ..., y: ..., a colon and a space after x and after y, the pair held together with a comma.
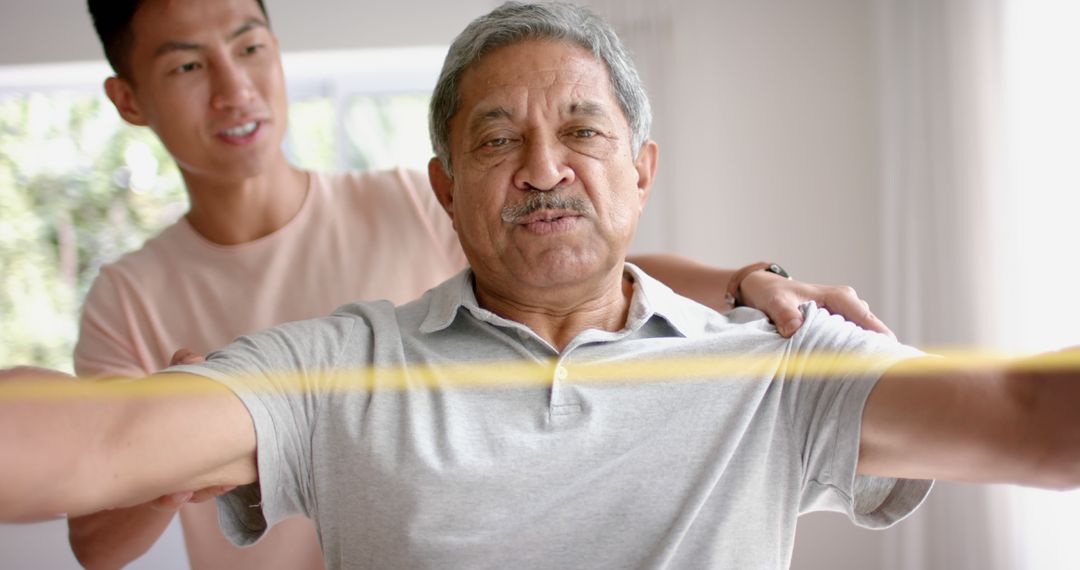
x: 265, y: 243
x: 475, y: 427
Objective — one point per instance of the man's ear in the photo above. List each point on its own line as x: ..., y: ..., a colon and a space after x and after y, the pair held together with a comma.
x: 122, y: 95
x: 443, y: 186
x: 645, y: 164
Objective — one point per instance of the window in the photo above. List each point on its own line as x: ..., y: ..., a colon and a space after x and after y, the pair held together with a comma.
x: 79, y: 187
x: 1040, y: 233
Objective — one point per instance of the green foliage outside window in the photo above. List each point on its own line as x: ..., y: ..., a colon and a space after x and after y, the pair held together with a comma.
x: 79, y: 187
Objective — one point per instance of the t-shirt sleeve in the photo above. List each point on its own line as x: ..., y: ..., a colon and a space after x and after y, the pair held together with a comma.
x: 826, y: 394
x: 280, y: 375
x: 105, y: 347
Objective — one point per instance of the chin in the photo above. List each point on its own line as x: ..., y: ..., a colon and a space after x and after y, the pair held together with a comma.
x: 251, y: 167
x: 550, y: 271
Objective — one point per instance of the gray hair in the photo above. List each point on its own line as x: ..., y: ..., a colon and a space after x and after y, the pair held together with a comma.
x: 515, y: 22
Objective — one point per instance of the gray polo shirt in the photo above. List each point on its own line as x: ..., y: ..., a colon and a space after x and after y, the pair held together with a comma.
x: 687, y: 470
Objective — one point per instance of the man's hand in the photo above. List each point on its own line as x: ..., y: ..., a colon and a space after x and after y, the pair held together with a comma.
x: 172, y: 502
x: 185, y: 356
x: 779, y: 298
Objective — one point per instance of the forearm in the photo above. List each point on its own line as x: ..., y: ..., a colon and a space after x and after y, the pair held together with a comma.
x: 81, y: 447
x: 112, y: 539
x: 768, y: 291
x: 689, y: 278
x: 976, y: 422
x: 1047, y: 391
x: 47, y: 447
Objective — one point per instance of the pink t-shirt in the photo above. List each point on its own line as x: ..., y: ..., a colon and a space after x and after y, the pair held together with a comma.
x: 358, y: 236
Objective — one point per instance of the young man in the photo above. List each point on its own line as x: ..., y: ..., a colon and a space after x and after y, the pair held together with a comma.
x: 265, y: 243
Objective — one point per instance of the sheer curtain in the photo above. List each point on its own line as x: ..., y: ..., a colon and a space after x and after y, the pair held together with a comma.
x: 981, y: 187
x: 940, y: 85
x: 1038, y: 212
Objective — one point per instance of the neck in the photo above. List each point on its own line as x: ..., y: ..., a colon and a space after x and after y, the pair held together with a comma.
x: 558, y: 314
x: 231, y: 212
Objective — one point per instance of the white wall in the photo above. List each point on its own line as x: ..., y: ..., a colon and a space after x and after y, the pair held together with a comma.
x: 765, y: 112
x: 39, y: 31
x: 773, y: 136
x: 769, y: 150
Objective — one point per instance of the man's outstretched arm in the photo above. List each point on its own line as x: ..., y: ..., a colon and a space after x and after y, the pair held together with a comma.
x: 1017, y: 423
x: 115, y: 537
x: 117, y: 444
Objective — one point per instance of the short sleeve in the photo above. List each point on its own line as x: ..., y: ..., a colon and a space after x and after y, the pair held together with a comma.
x: 279, y: 375
x: 828, y: 376
x: 105, y: 347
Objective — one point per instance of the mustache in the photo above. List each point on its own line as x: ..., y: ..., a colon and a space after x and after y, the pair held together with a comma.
x: 537, y: 201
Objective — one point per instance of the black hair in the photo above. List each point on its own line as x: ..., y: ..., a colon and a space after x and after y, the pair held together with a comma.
x: 112, y: 21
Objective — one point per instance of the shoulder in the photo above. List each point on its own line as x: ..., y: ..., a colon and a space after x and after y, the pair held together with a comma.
x: 693, y: 319
x: 826, y: 332
x: 393, y: 181
x: 361, y: 317
x: 140, y: 270
x: 399, y: 201
x: 383, y: 322
x: 153, y: 257
x: 349, y: 335
x: 383, y: 196
x: 111, y: 341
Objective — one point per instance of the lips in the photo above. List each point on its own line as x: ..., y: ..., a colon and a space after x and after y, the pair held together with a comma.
x: 242, y: 130
x: 241, y: 133
x: 546, y: 216
x: 549, y: 222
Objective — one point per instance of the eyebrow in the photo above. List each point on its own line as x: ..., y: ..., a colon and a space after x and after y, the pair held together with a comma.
x: 171, y: 46
x: 588, y: 109
x: 483, y: 117
x: 577, y: 108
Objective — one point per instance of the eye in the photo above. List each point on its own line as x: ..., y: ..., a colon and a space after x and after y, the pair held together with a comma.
x: 585, y: 133
x: 497, y: 142
x: 186, y: 67
x: 252, y: 49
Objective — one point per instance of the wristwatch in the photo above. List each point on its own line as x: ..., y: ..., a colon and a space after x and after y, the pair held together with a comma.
x: 731, y: 297
x: 774, y: 268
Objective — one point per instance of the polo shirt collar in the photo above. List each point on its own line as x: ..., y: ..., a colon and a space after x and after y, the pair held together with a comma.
x: 651, y: 298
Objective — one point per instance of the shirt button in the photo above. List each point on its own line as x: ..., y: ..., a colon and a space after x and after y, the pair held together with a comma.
x: 560, y: 373
x: 523, y: 335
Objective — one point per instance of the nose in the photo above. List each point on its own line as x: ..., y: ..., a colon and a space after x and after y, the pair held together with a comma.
x: 232, y: 88
x: 543, y: 167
